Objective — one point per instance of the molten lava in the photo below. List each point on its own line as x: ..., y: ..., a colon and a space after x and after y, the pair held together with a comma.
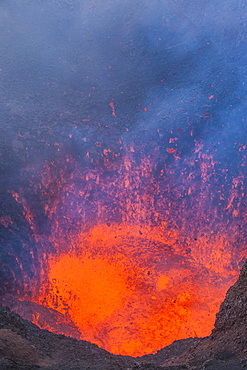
x: 130, y: 293
x: 141, y: 253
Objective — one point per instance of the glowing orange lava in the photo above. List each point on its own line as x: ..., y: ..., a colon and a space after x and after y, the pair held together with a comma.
x: 141, y: 253
x: 130, y: 293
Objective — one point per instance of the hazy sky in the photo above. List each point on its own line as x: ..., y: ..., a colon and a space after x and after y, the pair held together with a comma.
x: 165, y: 65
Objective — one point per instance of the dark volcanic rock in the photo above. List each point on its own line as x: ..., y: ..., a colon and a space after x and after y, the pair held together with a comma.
x: 13, y: 346
x: 175, y: 349
x: 231, y: 321
x: 9, y: 320
x: 42, y: 316
x: 8, y: 364
x: 226, y: 347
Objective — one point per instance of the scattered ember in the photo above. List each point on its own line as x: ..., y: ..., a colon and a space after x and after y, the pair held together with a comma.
x: 171, y: 150
x: 139, y: 259
x: 113, y: 109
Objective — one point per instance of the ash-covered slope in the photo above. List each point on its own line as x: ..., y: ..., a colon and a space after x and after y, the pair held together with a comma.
x: 231, y: 321
x: 24, y: 346
x: 43, y: 317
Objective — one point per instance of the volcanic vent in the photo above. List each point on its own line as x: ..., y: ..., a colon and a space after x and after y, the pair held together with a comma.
x: 123, y: 166
x: 130, y: 261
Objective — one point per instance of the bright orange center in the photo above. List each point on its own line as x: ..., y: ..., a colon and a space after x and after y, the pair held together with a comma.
x: 130, y: 293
